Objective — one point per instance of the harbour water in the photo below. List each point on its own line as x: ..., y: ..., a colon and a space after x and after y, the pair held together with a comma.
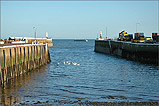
x: 77, y: 74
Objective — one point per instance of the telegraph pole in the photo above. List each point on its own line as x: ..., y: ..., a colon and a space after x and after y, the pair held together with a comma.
x: 136, y: 26
x: 106, y: 31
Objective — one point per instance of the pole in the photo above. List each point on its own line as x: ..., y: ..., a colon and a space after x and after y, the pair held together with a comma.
x: 106, y: 31
x: 136, y: 26
x: 35, y: 34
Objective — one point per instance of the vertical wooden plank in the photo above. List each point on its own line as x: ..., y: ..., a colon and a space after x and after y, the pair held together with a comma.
x: 1, y: 74
x: 4, y: 61
x: 15, y: 65
x: 26, y: 58
x: 12, y: 61
x: 41, y: 55
x: 44, y: 53
x: 35, y: 56
x: 27, y: 47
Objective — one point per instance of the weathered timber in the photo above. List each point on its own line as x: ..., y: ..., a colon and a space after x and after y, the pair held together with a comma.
x: 19, y: 59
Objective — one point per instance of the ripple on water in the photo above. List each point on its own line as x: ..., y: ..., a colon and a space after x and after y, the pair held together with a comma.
x: 77, y: 74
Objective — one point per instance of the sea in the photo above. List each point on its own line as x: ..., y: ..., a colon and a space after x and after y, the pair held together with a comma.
x: 77, y: 74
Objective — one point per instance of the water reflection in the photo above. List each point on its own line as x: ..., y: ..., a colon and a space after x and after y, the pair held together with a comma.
x: 15, y: 88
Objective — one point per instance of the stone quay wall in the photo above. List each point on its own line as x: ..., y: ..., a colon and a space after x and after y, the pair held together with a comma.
x: 143, y: 52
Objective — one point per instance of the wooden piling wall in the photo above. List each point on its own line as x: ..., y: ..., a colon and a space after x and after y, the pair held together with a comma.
x: 18, y: 59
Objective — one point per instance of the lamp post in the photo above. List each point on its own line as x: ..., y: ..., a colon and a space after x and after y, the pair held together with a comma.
x: 106, y: 31
x: 136, y: 26
x: 35, y: 33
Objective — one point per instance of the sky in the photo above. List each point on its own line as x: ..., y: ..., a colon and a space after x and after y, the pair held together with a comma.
x: 78, y: 19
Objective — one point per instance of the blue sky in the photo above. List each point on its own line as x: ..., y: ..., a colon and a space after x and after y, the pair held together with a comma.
x: 78, y: 19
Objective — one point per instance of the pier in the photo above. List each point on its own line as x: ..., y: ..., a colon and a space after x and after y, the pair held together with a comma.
x: 16, y: 60
x: 144, y: 52
x: 26, y: 40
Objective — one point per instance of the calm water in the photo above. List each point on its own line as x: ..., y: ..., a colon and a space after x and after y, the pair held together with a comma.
x: 78, y: 74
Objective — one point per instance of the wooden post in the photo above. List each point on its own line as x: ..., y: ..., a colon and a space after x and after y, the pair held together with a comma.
x: 0, y: 70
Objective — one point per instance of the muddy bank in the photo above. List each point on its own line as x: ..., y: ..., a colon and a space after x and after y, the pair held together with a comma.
x: 87, y: 103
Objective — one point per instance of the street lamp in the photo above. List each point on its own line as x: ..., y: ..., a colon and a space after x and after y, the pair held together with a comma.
x: 35, y: 33
x: 106, y: 31
x: 136, y: 26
